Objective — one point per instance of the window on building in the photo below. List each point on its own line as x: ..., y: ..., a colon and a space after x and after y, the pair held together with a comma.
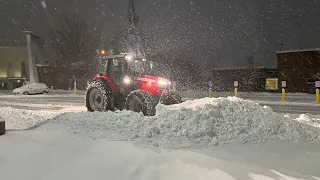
x: 272, y: 84
x: 312, y: 80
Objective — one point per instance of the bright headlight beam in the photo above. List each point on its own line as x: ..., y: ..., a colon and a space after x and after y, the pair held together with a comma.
x: 128, y: 57
x: 162, y: 82
x: 126, y: 80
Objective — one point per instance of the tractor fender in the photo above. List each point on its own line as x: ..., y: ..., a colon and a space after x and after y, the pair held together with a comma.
x: 109, y: 81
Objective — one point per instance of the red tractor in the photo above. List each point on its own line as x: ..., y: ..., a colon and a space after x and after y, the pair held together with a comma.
x: 129, y: 83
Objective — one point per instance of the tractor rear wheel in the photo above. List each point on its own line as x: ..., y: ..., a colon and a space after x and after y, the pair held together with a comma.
x: 141, y: 101
x: 99, y: 97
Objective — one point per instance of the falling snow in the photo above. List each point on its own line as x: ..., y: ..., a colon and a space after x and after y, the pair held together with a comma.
x: 43, y: 3
x: 219, y: 32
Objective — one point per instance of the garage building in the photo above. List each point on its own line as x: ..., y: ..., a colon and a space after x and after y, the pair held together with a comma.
x: 300, y: 69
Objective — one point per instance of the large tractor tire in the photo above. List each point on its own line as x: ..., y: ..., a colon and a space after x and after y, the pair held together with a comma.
x: 141, y: 101
x: 99, y: 97
x: 173, y: 98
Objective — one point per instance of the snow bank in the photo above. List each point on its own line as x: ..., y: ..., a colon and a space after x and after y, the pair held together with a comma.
x: 18, y: 119
x: 303, y: 118
x: 202, y: 122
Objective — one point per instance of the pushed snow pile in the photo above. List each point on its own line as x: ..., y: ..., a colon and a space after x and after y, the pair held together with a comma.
x: 19, y: 119
x: 303, y: 118
x: 202, y: 122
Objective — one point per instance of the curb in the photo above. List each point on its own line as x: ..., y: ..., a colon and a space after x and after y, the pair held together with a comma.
x: 2, y: 127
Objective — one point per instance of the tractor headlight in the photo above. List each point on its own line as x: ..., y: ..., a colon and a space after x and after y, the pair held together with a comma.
x: 127, y: 80
x: 163, y: 82
x: 129, y: 57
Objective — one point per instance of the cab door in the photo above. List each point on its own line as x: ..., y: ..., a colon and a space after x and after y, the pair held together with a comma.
x: 115, y: 71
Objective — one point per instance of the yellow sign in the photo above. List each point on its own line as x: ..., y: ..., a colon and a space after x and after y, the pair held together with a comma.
x: 272, y: 84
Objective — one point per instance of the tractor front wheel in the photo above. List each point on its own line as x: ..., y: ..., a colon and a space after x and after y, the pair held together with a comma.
x: 173, y: 98
x: 99, y: 97
x: 140, y: 101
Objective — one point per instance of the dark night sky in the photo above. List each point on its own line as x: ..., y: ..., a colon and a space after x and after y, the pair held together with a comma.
x: 220, y: 32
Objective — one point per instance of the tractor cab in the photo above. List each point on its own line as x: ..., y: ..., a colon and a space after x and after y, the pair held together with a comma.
x: 124, y: 69
x: 120, y: 65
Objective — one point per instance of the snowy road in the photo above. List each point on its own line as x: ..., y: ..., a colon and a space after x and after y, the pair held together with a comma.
x: 296, y: 103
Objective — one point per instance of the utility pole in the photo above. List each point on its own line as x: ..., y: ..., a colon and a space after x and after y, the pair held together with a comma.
x: 33, y: 73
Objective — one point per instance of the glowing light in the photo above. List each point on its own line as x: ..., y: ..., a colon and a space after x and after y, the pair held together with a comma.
x: 129, y: 57
x: 162, y: 82
x: 127, y: 80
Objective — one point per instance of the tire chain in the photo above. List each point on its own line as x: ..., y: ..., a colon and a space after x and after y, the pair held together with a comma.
x: 148, y: 102
x: 104, y: 89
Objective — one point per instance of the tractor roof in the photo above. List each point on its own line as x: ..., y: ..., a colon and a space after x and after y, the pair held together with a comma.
x: 113, y: 56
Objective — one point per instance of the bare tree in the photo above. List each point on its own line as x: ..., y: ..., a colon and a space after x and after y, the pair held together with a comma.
x: 118, y: 42
x: 72, y: 48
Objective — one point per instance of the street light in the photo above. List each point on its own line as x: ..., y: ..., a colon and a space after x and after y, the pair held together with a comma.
x: 103, y: 52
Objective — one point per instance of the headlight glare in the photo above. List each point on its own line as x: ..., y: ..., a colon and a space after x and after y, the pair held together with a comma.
x: 162, y: 82
x: 127, y: 80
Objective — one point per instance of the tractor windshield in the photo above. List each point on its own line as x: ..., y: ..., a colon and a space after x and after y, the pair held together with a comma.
x: 114, y: 66
x: 141, y: 67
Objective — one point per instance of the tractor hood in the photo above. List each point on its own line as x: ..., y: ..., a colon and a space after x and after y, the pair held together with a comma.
x: 153, y: 84
x: 153, y: 79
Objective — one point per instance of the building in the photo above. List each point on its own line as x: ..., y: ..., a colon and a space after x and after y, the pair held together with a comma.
x: 300, y: 69
x: 13, y: 72
x: 22, y: 64
x: 253, y: 79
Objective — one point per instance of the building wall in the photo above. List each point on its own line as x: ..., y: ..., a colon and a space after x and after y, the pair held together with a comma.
x: 299, y: 69
x: 13, y: 66
x: 249, y: 79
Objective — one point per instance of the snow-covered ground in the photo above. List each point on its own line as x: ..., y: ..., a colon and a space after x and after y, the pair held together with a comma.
x: 297, y: 103
x: 194, y: 123
x: 300, y: 97
x: 48, y: 155
x: 198, y: 123
x: 209, y: 138
x: 23, y: 119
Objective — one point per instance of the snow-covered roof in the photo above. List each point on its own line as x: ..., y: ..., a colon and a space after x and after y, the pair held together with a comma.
x: 30, y: 32
x: 299, y: 50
